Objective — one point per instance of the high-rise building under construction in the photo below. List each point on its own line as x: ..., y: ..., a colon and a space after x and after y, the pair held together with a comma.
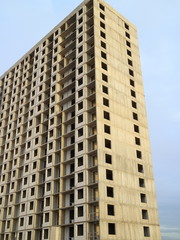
x: 75, y: 161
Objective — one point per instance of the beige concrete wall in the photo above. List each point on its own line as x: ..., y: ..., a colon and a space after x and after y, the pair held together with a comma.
x: 126, y: 200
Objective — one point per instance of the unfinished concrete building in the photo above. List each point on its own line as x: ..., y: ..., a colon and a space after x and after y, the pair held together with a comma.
x: 75, y: 161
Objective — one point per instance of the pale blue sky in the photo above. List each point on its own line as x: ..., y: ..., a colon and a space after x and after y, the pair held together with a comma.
x: 23, y: 23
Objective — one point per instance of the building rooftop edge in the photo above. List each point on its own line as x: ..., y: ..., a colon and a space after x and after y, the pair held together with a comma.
x: 57, y: 26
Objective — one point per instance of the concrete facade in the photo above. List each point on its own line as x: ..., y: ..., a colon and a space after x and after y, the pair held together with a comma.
x: 75, y: 160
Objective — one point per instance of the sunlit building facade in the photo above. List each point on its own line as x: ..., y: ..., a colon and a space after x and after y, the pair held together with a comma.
x: 75, y: 161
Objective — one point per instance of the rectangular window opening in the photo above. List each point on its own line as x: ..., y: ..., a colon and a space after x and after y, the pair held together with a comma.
x: 103, y: 44
x: 80, y: 211
x: 109, y: 174
x: 126, y: 26
x: 131, y: 72
x: 107, y: 143
x: 107, y: 129
x: 141, y: 183
x: 146, y: 231
x: 127, y: 35
x: 106, y: 115
x: 140, y: 168
x: 102, y: 16
x: 110, y: 192
x: 104, y: 77
x: 108, y: 158
x: 106, y: 102
x: 102, y: 25
x: 110, y: 210
x: 103, y: 35
x: 143, y: 198
x: 144, y: 214
x: 80, y: 230
x: 136, y: 128
x: 105, y: 89
x: 135, y: 116
x: 111, y: 229
x: 104, y: 66
x: 133, y: 93
x: 137, y: 141
x: 101, y: 7
x: 103, y: 55
x: 128, y: 43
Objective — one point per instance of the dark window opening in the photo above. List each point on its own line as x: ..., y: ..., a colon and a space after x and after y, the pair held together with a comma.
x: 103, y: 35
x: 102, y: 25
x: 101, y: 7
x: 103, y: 55
x: 110, y: 210
x: 135, y: 116
x: 104, y: 66
x: 80, y: 20
x: 72, y: 126
x: 80, y: 177
x: 46, y: 233
x: 80, y: 194
x: 109, y: 174
x: 133, y: 93
x: 143, y: 198
x: 80, y: 230
x: 80, y: 11
x: 80, y: 49
x: 80, y: 59
x: 29, y: 236
x: 103, y: 44
x: 108, y: 158
x: 130, y: 62
x: 110, y: 192
x: 80, y: 132
x: 102, y: 16
x: 80, y: 146
x: 80, y: 211
x: 141, y: 182
x: 72, y: 139
x: 127, y: 35
x: 129, y: 53
x: 131, y: 72
x: 80, y: 118
x: 137, y: 141
x: 105, y: 89
x: 144, y: 214
x: 128, y: 43
x: 108, y: 143
x: 126, y: 26
x: 80, y: 39
x: 146, y: 231
x: 106, y: 115
x: 80, y: 70
x: 80, y: 81
x: 80, y: 93
x: 80, y: 29
x: 111, y: 229
x: 80, y: 106
x: 132, y: 82
x: 136, y: 128
x: 107, y: 129
x: 140, y: 168
x: 80, y: 161
x: 106, y: 102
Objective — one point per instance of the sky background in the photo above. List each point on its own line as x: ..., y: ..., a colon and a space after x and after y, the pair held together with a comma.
x: 23, y: 23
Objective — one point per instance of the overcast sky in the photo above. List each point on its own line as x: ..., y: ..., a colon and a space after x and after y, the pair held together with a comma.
x: 24, y: 22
